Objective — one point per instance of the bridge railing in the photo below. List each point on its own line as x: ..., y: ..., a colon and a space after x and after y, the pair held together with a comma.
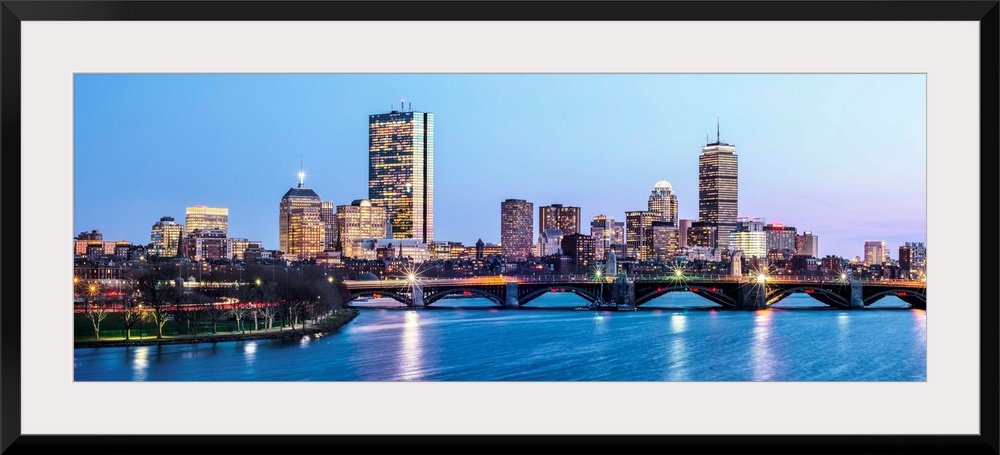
x: 502, y: 279
x: 404, y: 284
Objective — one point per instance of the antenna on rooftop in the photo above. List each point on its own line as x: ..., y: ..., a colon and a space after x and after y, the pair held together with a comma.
x: 302, y: 174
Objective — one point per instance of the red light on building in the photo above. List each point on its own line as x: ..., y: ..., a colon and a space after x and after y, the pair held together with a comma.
x: 562, y: 290
x: 552, y: 290
x: 809, y: 291
x: 901, y: 294
x: 694, y: 289
x: 377, y: 295
x: 466, y: 292
x: 659, y: 289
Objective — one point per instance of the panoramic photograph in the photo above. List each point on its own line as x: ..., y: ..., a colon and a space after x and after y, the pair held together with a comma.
x: 499, y: 227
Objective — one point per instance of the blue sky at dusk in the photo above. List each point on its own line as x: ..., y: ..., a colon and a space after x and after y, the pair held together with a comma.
x: 843, y: 156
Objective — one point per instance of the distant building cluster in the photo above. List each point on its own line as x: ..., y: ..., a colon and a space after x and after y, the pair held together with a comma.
x: 393, y: 228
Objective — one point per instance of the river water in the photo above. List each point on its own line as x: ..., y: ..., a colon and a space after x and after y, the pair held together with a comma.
x: 675, y: 338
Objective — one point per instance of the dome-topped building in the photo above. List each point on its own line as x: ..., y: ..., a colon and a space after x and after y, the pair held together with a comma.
x: 663, y: 200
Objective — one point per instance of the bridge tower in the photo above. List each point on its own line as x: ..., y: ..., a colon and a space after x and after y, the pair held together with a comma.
x: 752, y: 296
x: 417, y: 298
x: 511, y: 297
x: 623, y: 290
x: 610, y: 261
x: 856, y: 300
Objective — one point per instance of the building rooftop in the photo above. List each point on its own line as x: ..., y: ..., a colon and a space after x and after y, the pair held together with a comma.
x: 300, y: 192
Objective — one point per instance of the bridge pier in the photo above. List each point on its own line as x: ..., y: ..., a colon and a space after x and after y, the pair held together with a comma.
x: 623, y: 291
x: 856, y: 299
x: 510, y: 295
x: 752, y: 297
x: 417, y: 298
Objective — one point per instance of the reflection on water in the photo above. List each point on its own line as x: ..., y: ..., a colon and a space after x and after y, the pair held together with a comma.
x: 678, y: 360
x: 678, y: 322
x: 919, y: 346
x: 601, y: 321
x: 761, y: 357
x: 658, y: 344
x: 140, y: 363
x: 844, y: 332
x: 411, y: 354
x: 250, y: 352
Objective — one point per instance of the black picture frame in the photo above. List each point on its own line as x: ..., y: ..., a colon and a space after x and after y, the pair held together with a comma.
x: 12, y: 13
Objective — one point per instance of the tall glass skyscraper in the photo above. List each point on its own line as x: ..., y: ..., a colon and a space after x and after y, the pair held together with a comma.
x: 516, y: 227
x: 401, y: 171
x: 718, y: 194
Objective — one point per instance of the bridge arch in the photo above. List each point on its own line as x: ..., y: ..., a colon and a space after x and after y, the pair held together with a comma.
x: 717, y: 296
x: 405, y: 300
x: 825, y: 296
x: 913, y: 297
x: 586, y: 295
x: 430, y: 299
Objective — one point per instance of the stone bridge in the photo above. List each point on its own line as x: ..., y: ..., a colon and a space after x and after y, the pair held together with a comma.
x: 748, y: 292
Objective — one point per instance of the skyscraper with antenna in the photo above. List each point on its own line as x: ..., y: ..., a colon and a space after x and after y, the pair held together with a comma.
x: 718, y: 187
x: 301, y: 231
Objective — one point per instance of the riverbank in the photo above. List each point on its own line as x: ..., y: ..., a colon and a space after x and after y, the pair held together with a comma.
x: 331, y: 324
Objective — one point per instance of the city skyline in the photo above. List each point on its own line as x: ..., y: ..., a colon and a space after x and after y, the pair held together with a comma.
x: 876, y: 178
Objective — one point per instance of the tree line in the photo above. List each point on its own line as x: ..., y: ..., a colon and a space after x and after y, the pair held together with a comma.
x: 288, y: 301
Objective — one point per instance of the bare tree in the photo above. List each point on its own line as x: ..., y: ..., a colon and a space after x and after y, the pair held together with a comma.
x: 158, y: 296
x: 199, y: 306
x: 131, y: 311
x: 95, y: 307
x: 269, y: 303
x: 215, y: 311
x: 244, y: 296
x: 238, y: 312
